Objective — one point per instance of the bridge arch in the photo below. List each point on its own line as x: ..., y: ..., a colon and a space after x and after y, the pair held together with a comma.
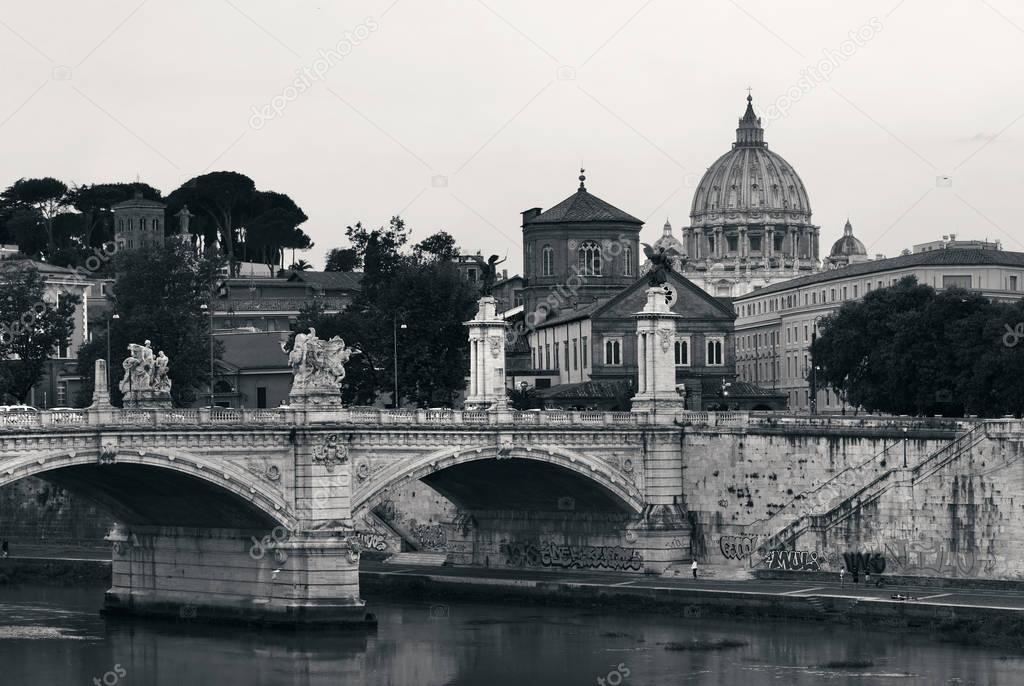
x: 617, y: 486
x: 158, y: 486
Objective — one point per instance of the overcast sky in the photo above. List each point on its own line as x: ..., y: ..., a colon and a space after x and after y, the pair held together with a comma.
x: 460, y: 114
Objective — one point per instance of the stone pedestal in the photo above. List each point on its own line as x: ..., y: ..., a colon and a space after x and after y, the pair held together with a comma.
x: 656, y: 338
x: 273, y: 577
x: 486, y: 358
x: 147, y: 400
x: 100, y: 391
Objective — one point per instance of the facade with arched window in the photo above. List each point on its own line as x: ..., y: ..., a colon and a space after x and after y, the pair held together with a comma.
x: 579, y: 251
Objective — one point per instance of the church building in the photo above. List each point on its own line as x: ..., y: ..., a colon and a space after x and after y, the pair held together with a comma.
x: 581, y: 292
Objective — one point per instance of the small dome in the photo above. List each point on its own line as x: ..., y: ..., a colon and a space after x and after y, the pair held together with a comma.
x: 848, y: 245
x: 668, y: 242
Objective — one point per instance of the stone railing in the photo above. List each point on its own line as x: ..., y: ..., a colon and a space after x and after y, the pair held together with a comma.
x: 282, y: 304
x: 450, y: 417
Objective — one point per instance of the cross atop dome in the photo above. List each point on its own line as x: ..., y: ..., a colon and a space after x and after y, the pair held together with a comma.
x: 749, y: 132
x: 582, y: 179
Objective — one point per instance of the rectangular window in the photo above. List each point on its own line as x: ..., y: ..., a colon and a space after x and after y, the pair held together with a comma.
x: 565, y: 354
x: 575, y: 354
x: 62, y: 394
x: 1013, y: 283
x: 814, y: 298
x: 583, y: 350
x: 547, y: 356
x: 805, y: 333
x: 867, y: 287
x: 683, y: 352
x: 854, y: 290
x: 556, y: 356
x: 844, y: 292
x: 957, y: 281
x: 261, y: 396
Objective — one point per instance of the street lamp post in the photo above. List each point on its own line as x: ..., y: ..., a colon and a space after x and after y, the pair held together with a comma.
x: 109, y: 319
x: 394, y: 331
x: 209, y: 310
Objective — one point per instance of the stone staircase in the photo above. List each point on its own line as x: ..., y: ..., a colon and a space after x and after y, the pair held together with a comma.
x: 418, y: 558
x: 873, y: 490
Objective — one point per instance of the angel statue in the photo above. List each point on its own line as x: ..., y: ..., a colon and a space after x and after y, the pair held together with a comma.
x: 660, y: 264
x: 490, y: 274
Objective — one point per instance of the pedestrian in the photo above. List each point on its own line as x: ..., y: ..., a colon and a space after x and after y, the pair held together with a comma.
x: 867, y: 578
x: 3, y: 548
x: 693, y: 568
x: 842, y: 577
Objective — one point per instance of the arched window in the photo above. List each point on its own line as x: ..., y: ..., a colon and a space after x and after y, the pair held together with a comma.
x: 627, y: 261
x: 714, y: 358
x: 142, y: 223
x: 682, y: 352
x: 547, y: 261
x: 613, y: 351
x: 120, y: 224
x: 589, y: 259
x: 156, y: 224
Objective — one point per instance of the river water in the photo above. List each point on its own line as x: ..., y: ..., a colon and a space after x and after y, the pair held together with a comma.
x: 54, y: 636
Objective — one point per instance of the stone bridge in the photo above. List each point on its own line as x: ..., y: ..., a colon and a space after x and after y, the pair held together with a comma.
x: 250, y: 513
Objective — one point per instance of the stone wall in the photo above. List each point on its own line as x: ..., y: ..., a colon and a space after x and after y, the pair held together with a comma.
x: 34, y: 512
x: 742, y: 486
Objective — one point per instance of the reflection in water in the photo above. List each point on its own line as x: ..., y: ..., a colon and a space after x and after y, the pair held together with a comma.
x: 55, y: 636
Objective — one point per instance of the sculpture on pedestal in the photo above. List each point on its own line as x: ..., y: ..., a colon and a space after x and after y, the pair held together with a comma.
x: 490, y: 274
x: 660, y: 264
x: 318, y: 367
x: 145, y: 382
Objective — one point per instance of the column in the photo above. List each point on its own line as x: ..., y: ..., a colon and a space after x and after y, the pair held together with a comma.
x: 641, y: 360
x: 487, y: 355
x: 743, y: 248
x: 768, y: 241
x: 656, y: 328
x: 686, y: 241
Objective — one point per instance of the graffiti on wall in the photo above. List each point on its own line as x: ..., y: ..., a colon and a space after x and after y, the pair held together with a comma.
x: 931, y: 557
x: 794, y: 560
x: 429, y: 536
x: 737, y: 547
x: 864, y: 563
x: 371, y: 541
x: 548, y: 554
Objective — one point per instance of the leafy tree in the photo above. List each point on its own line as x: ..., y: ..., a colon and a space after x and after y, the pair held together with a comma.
x: 911, y: 350
x: 230, y: 208
x: 33, y: 327
x: 47, y: 195
x: 225, y: 199
x: 159, y: 295
x: 380, y: 251
x: 343, y: 260
x: 25, y: 227
x: 439, y: 246
x: 300, y: 266
x: 422, y: 290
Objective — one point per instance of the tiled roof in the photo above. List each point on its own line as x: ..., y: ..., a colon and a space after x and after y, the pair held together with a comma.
x: 584, y: 390
x: 743, y: 389
x: 955, y: 257
x: 570, y: 315
x: 581, y: 206
x: 351, y: 281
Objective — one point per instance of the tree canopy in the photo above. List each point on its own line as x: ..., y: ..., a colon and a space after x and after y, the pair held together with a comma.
x: 159, y: 296
x: 247, y: 223
x: 909, y: 349
x: 47, y: 196
x: 419, y: 288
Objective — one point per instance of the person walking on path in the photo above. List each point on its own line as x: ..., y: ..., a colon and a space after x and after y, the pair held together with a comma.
x: 3, y: 548
x: 693, y: 568
x: 842, y: 577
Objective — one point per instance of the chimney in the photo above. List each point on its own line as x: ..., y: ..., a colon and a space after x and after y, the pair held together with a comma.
x: 530, y: 214
x: 504, y: 274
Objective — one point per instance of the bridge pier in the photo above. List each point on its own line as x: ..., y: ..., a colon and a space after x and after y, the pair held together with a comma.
x: 274, y: 577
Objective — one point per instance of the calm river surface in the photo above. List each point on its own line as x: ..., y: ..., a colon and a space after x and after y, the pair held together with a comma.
x: 54, y: 636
